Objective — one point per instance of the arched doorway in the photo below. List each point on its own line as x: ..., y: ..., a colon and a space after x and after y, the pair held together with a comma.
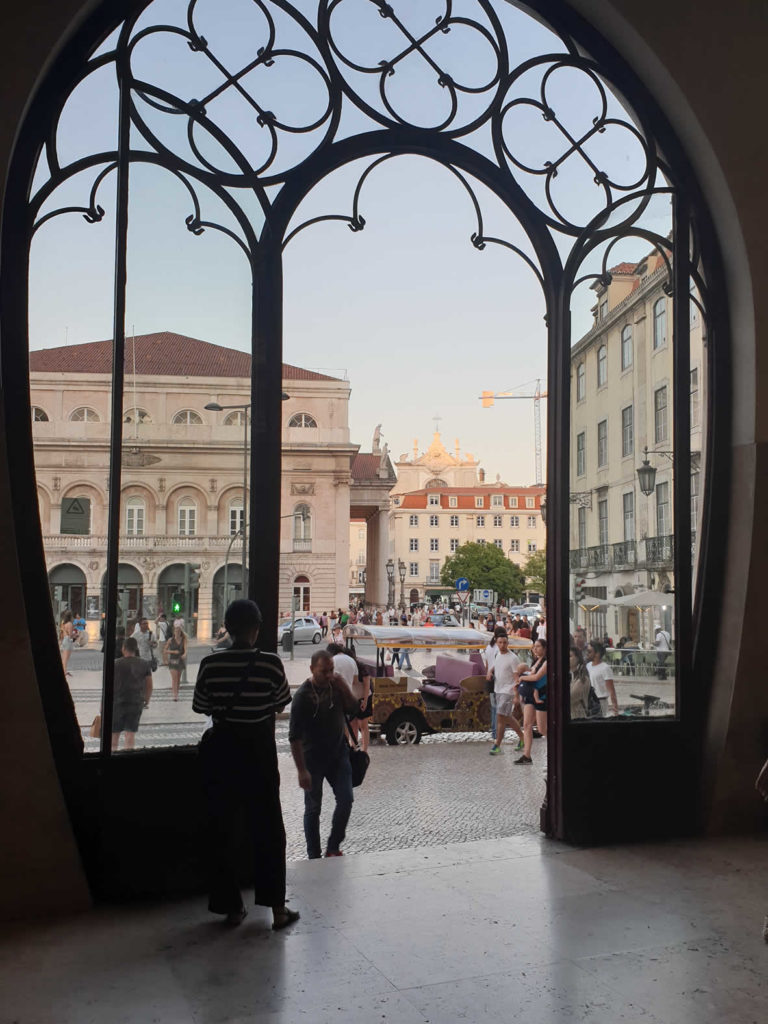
x: 559, y: 268
x: 227, y: 587
x: 177, y: 598
x: 130, y: 596
x: 301, y: 594
x: 414, y: 597
x: 68, y: 590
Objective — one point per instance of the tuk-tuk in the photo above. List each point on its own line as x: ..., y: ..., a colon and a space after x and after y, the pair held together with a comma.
x: 452, y: 694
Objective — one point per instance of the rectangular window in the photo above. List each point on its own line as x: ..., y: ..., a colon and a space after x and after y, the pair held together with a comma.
x: 663, y: 520
x: 413, y: 520
x: 581, y: 454
x: 604, y: 309
x: 454, y: 544
x: 513, y: 502
x: 481, y: 542
x: 497, y: 520
x: 479, y: 502
x: 480, y: 520
x: 532, y: 522
x: 626, y: 348
x: 434, y: 544
x: 514, y: 522
x: 581, y: 382
x: 499, y: 543
x: 602, y: 366
x: 434, y: 499
x: 134, y: 520
x: 531, y: 546
x: 434, y: 521
x: 695, y: 478
x: 530, y: 503
x: 602, y: 443
x: 628, y: 502
x: 627, y: 431
x: 454, y: 520
x: 413, y: 568
x: 582, y: 518
x: 497, y: 501
x: 187, y: 521
x: 434, y: 572
x: 659, y: 323
x: 660, y: 415
x: 453, y: 501
x: 602, y: 521
x: 235, y: 520
x: 413, y: 544
x: 514, y: 545
x: 76, y: 515
x: 694, y: 392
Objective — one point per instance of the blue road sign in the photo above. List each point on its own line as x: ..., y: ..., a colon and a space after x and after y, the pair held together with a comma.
x: 462, y: 583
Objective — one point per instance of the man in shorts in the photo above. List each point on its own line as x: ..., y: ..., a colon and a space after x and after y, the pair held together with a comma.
x: 133, y: 690
x: 505, y: 689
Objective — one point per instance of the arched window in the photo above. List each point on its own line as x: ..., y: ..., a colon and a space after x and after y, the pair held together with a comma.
x: 627, y: 355
x: 435, y: 483
x: 659, y: 323
x: 188, y: 416
x: 39, y: 415
x: 135, y: 514
x: 302, y: 528
x: 84, y: 414
x: 302, y: 419
x: 301, y: 594
x: 236, y: 418
x: 187, y: 518
x: 235, y: 516
x: 602, y: 365
x: 136, y: 416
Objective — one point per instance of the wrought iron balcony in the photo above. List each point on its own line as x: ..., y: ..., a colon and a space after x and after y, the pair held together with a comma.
x: 577, y: 558
x: 599, y: 557
x: 660, y: 552
x: 624, y: 555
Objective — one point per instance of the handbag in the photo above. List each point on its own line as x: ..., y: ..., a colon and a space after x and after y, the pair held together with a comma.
x: 594, y: 707
x: 358, y: 759
x: 153, y: 663
x: 95, y: 730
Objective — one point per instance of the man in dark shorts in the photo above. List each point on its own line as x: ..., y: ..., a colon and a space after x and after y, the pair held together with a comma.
x: 133, y: 689
x: 242, y: 688
x: 320, y: 748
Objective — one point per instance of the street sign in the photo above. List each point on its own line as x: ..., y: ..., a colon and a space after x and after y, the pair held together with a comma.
x: 483, y: 597
x: 462, y: 583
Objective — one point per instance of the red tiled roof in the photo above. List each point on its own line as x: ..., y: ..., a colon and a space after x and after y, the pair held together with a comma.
x: 365, y: 466
x: 623, y: 268
x: 162, y: 354
x: 466, y: 497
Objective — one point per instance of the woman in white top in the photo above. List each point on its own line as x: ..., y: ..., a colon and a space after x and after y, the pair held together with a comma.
x: 601, y: 676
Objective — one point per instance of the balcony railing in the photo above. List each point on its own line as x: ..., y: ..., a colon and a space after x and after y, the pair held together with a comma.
x: 302, y: 544
x: 599, y: 557
x: 94, y: 542
x: 624, y: 555
x: 660, y: 552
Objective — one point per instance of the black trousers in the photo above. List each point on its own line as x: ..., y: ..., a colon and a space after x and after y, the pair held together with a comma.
x: 242, y: 787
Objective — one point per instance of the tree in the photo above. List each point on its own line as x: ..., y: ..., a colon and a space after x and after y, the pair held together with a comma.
x: 487, y: 568
x: 535, y: 570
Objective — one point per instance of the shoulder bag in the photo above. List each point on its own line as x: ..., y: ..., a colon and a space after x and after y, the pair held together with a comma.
x: 358, y: 759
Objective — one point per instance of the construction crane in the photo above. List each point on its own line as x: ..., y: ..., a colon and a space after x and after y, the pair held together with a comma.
x: 489, y: 397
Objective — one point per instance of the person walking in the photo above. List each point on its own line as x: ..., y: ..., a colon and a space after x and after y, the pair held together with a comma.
x: 176, y: 658
x: 580, y: 685
x: 489, y: 656
x: 601, y: 677
x: 162, y: 631
x: 66, y: 640
x: 324, y: 624
x: 142, y: 634
x: 320, y: 749
x: 532, y: 687
x: 133, y: 691
x: 242, y: 689
x: 505, y: 668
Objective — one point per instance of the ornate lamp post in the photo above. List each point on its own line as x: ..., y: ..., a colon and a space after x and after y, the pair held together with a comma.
x: 391, y: 581
x: 401, y: 573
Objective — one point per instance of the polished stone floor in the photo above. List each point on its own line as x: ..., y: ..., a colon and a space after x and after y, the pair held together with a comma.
x: 514, y: 929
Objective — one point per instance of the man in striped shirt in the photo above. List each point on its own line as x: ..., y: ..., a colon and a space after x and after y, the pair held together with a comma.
x: 242, y: 689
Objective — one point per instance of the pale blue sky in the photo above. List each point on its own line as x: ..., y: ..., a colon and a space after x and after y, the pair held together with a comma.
x: 419, y: 320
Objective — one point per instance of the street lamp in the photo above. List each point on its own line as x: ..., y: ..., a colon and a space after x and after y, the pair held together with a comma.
x: 401, y: 574
x: 391, y: 582
x: 245, y: 408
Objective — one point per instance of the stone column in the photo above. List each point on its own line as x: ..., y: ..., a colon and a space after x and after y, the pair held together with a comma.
x: 377, y: 547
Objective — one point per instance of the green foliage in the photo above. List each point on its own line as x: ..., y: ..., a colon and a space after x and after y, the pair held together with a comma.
x: 535, y: 570
x: 486, y: 568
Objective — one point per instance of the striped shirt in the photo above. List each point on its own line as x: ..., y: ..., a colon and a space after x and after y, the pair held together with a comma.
x: 263, y: 693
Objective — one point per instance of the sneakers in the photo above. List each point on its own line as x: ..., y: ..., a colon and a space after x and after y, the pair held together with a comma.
x: 524, y: 760
x: 520, y: 745
x: 495, y: 749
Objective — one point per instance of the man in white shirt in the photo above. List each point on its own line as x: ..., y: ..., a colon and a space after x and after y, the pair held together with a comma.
x: 505, y: 665
x: 601, y: 677
x: 663, y: 646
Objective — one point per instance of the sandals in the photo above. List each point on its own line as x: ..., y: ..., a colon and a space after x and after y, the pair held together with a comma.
x: 284, y: 918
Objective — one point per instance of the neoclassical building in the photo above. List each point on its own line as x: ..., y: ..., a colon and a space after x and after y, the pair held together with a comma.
x: 182, y: 490
x: 441, y: 501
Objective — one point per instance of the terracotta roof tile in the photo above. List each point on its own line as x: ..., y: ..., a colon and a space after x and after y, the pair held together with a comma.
x: 365, y: 466
x: 162, y: 354
x: 623, y: 268
x: 466, y: 498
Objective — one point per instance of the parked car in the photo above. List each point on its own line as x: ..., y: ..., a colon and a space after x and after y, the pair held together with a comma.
x: 446, y: 619
x: 305, y: 628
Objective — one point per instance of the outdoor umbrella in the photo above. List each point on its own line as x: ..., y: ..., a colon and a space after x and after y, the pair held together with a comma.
x: 647, y: 599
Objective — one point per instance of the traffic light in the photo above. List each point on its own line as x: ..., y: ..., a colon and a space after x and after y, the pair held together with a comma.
x: 578, y: 590
x: 176, y: 604
x: 191, y: 576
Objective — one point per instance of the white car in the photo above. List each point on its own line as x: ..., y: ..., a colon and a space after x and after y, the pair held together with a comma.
x: 304, y: 628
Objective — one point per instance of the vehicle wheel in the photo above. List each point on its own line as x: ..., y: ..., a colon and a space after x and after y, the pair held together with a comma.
x: 316, y: 638
x: 403, y: 729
